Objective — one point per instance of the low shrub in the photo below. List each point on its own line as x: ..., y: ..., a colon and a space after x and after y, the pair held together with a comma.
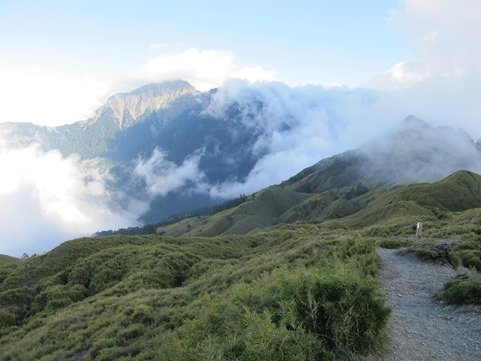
x: 463, y: 291
x: 470, y: 258
x: 7, y: 318
x: 302, y: 315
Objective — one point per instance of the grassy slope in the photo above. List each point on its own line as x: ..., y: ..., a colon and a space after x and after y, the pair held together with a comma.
x: 458, y: 192
x: 260, y: 295
x: 262, y: 209
x: 4, y: 259
x: 228, y: 297
x: 399, y: 208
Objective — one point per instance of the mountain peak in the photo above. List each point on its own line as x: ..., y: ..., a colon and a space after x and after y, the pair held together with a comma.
x: 127, y: 107
x: 413, y: 122
x: 159, y: 89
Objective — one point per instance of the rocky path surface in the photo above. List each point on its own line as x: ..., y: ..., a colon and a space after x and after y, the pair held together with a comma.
x: 422, y: 328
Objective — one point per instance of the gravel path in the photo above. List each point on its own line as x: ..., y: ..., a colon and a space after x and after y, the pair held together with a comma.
x: 422, y: 328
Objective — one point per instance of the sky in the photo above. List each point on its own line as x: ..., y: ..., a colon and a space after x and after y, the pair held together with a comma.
x: 64, y: 59
x: 80, y: 52
x: 344, y: 70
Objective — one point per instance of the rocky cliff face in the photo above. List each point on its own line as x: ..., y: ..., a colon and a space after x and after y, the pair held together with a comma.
x: 94, y: 137
x: 126, y: 108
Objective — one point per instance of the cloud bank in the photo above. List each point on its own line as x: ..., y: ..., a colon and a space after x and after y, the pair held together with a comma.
x: 204, y: 69
x: 48, y: 94
x: 46, y: 198
x: 55, y: 94
x: 162, y: 176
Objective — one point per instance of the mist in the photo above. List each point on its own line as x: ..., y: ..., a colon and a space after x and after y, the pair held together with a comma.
x: 303, y: 125
x: 46, y: 198
x: 414, y: 151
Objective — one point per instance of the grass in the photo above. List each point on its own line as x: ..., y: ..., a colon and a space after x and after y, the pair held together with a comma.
x: 463, y: 291
x: 4, y: 259
x: 380, y: 212
x: 393, y: 243
x: 262, y: 209
x: 307, y: 290
x: 297, y: 290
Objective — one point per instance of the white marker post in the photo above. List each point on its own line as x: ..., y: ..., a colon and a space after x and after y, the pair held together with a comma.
x: 419, y: 230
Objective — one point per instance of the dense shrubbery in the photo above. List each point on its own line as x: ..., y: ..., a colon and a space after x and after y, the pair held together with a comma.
x: 297, y: 292
x: 308, y: 314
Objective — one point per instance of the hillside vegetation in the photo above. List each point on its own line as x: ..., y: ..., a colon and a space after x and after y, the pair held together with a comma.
x: 295, y: 292
x: 240, y: 284
x: 387, y: 211
x: 4, y: 259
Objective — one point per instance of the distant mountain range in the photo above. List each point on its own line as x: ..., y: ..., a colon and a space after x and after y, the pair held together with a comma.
x: 362, y: 185
x: 173, y: 118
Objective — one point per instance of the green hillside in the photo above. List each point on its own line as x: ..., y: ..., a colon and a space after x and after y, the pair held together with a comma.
x: 401, y: 207
x: 342, y: 170
x: 4, y: 259
x: 285, y: 275
x: 296, y: 292
x: 357, y: 206
x: 262, y: 209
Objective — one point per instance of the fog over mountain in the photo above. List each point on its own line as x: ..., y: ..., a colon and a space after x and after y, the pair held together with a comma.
x: 168, y: 148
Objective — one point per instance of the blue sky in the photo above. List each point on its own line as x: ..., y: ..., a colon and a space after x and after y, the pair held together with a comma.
x: 305, y: 41
x: 64, y: 58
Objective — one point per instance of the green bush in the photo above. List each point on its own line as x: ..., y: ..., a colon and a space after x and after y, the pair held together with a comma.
x: 454, y: 259
x: 7, y: 318
x: 295, y: 292
x: 290, y: 315
x: 470, y: 258
x: 466, y: 245
x: 460, y: 291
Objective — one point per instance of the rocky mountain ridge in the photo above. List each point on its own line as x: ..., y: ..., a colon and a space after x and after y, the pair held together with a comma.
x: 128, y: 107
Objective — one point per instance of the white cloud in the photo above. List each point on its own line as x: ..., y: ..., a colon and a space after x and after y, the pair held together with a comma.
x: 55, y: 94
x: 299, y: 127
x: 46, y: 198
x: 441, y: 82
x: 445, y: 36
x: 204, y: 69
x: 303, y: 125
x: 162, y: 176
x: 401, y: 75
x: 48, y: 95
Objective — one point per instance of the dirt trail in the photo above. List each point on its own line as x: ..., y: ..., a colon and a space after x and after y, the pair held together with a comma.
x: 421, y: 328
